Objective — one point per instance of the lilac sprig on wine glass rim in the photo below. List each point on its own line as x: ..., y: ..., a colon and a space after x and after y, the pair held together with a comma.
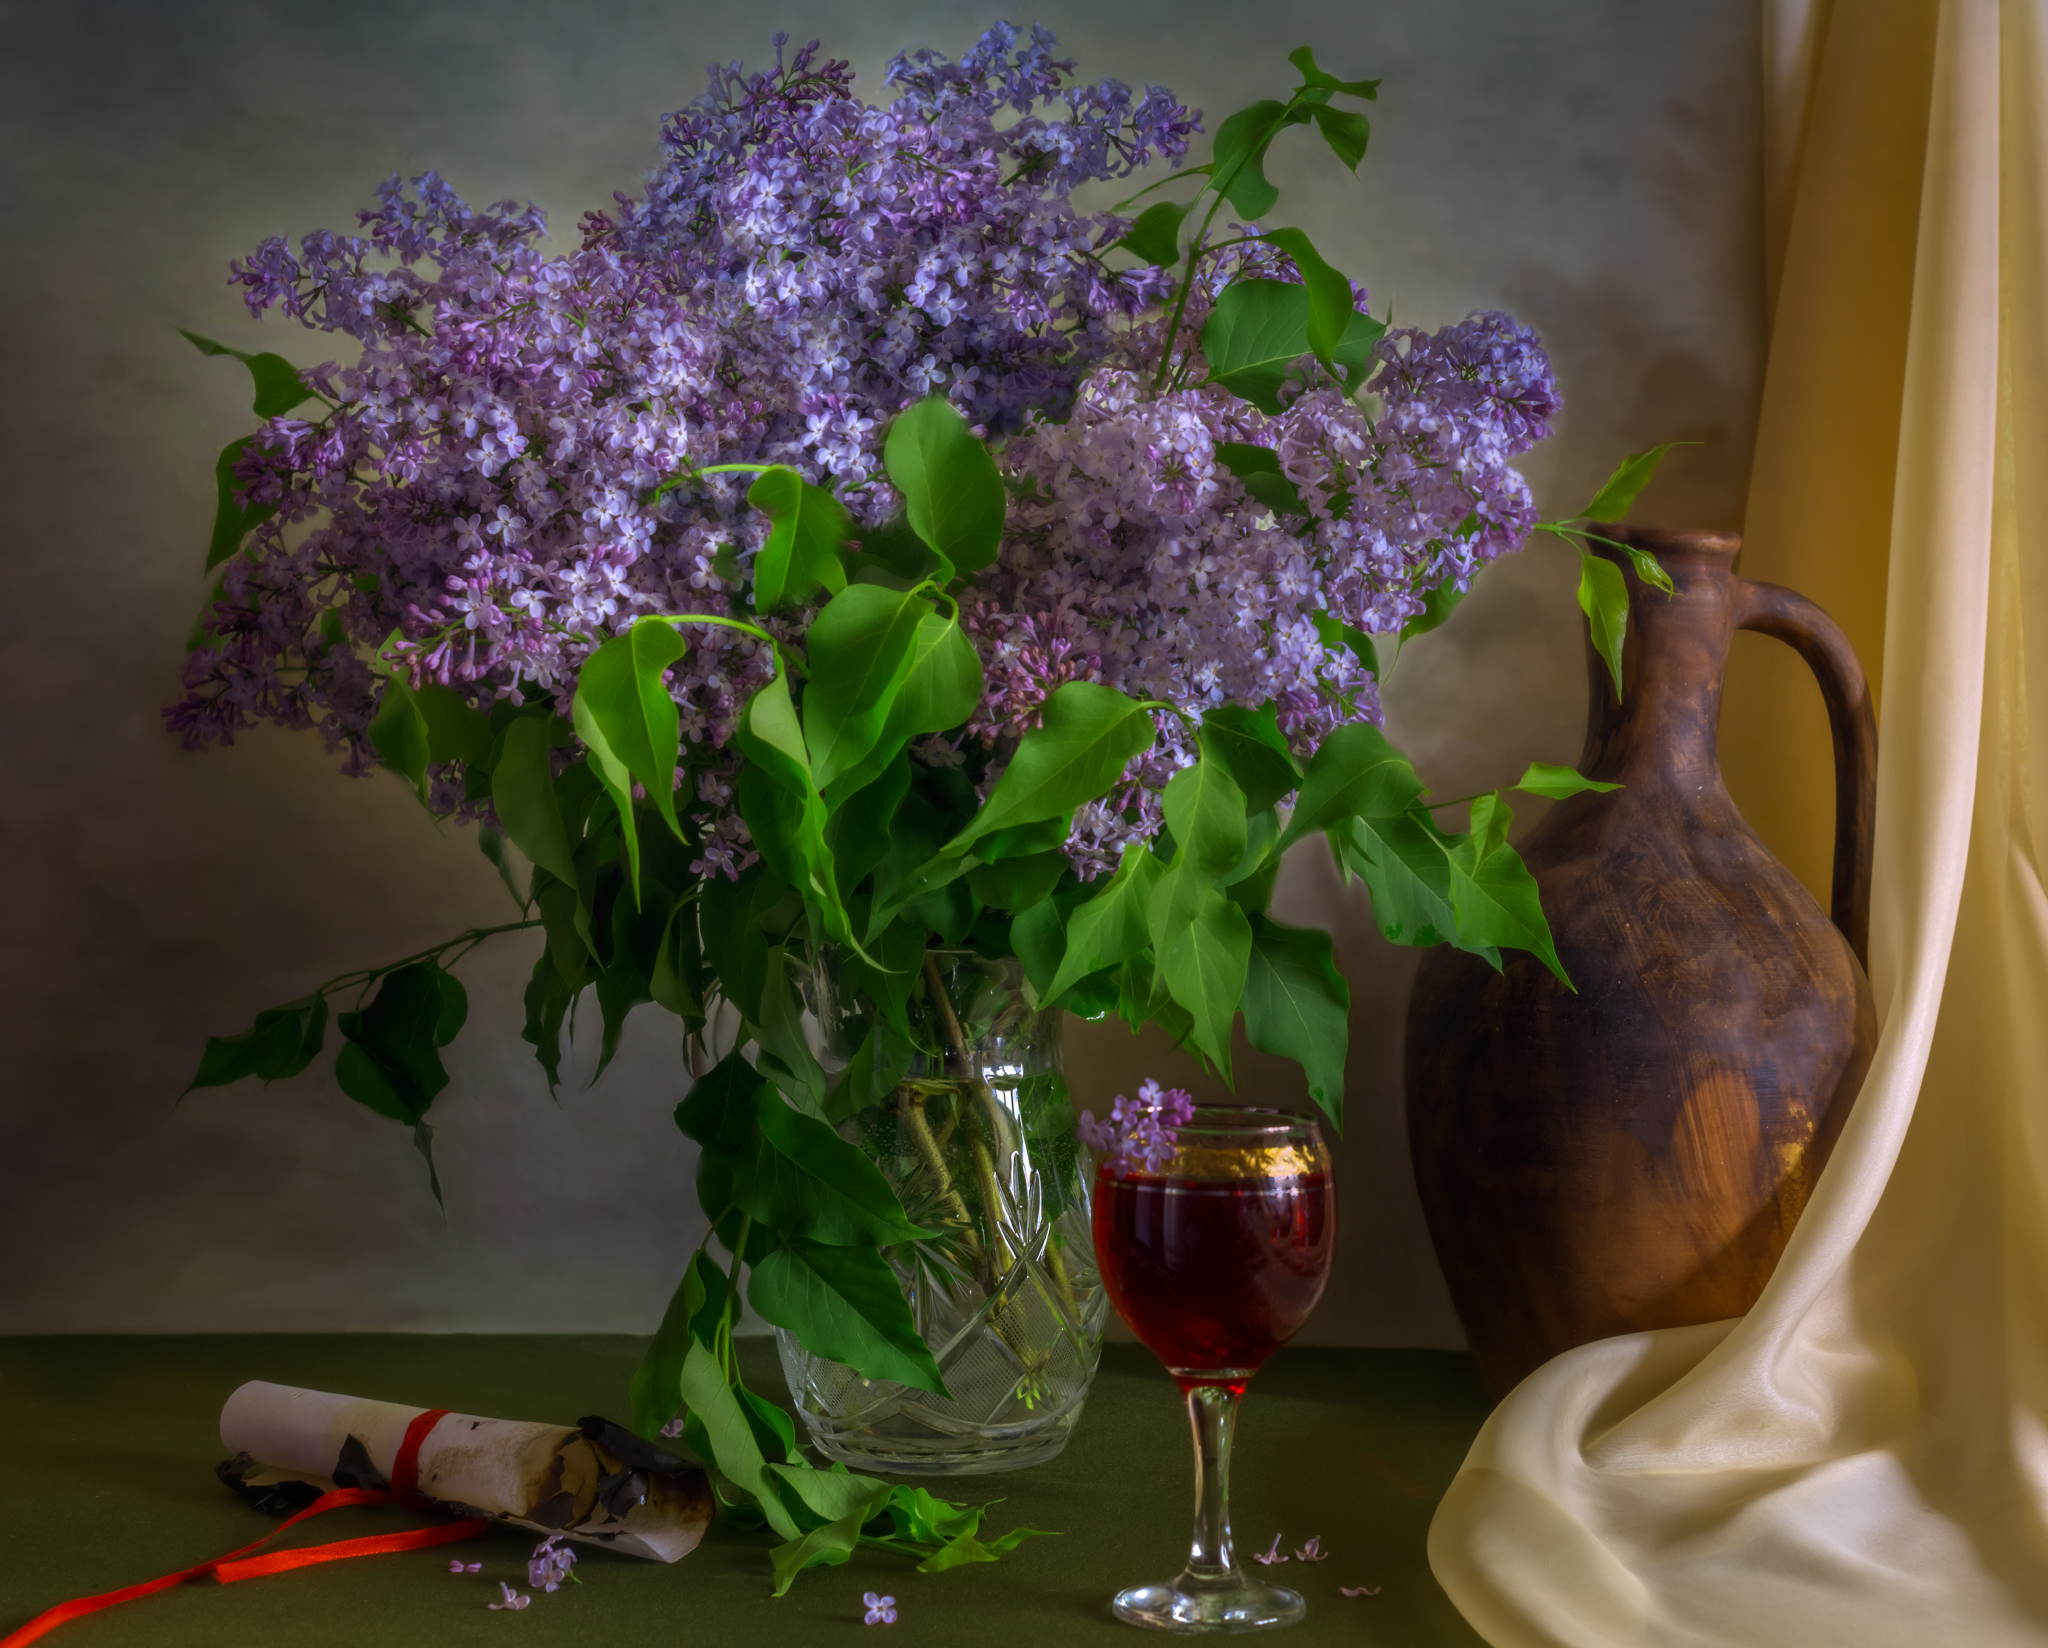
x: 1141, y: 1134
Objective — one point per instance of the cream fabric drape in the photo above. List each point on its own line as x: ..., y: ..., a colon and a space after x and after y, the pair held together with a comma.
x: 1863, y: 1459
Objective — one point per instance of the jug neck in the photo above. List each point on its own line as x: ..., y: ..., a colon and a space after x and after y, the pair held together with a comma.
x: 1661, y: 730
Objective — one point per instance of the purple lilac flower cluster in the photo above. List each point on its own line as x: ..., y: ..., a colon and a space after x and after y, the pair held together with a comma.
x: 483, y: 479
x: 1138, y: 559
x: 1139, y: 1135
x: 804, y: 267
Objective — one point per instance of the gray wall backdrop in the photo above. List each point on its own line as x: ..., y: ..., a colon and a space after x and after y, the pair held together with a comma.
x: 1589, y: 164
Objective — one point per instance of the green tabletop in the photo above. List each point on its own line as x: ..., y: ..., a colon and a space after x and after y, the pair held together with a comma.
x: 112, y: 1442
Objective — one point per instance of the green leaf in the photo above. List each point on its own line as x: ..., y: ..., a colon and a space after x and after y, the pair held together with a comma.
x: 676, y: 979
x: 1496, y: 899
x: 957, y: 1552
x: 785, y: 1055
x: 1237, y: 159
x: 734, y: 1450
x: 1200, y: 940
x: 1354, y: 352
x: 722, y: 1108
x: 1109, y: 928
x: 1557, y: 782
x: 625, y: 715
x: 1297, y: 1006
x: 393, y: 1061
x: 1437, y: 605
x: 895, y: 549
x: 523, y: 796
x: 398, y: 733
x: 774, y: 1429
x: 844, y: 1303
x: 1603, y: 598
x: 1304, y: 59
x: 860, y: 833
x: 232, y: 521
x: 1258, y: 467
x: 823, y: 1547
x: 1249, y: 746
x: 951, y: 491
x: 860, y: 647
x: 803, y: 1180
x: 784, y: 812
x: 835, y: 1493
x: 1355, y: 773
x: 549, y: 996
x: 1155, y: 237
x: 1089, y: 734
x: 802, y: 551
x: 1346, y: 132
x: 1258, y: 329
x: 735, y: 942
x: 456, y: 729
x: 1330, y: 301
x: 1619, y: 492
x: 1405, y: 866
x: 1205, y: 810
x: 493, y: 845
x: 1251, y: 882
x: 1018, y: 883
x: 924, y: 1519
x: 1203, y: 947
x: 939, y: 689
x: 276, y: 380
x: 772, y: 738
x: 282, y: 1043
x: 657, y: 1390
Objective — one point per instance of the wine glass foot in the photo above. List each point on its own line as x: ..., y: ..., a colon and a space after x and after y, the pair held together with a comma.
x: 1245, y: 1605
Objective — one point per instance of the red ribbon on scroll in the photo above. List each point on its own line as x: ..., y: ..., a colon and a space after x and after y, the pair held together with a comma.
x: 404, y: 1490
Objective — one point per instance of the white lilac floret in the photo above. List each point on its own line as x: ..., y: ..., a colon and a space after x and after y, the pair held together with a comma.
x: 483, y: 478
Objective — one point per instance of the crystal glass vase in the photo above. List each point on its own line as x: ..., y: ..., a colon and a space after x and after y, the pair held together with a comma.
x: 970, y: 1122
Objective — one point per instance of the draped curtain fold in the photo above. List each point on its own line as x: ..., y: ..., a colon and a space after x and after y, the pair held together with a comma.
x: 1863, y: 1458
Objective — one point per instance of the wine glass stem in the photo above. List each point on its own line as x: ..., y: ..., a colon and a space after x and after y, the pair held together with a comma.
x: 1212, y: 1416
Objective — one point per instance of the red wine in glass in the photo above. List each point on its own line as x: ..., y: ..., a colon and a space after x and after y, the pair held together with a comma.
x: 1215, y: 1262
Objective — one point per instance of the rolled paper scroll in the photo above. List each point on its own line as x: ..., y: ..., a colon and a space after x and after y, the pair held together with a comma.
x: 595, y: 1482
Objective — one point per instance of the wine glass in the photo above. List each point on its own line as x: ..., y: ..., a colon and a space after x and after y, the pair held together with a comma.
x: 1215, y: 1261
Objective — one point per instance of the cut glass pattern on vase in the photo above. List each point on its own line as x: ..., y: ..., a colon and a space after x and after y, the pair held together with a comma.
x: 982, y: 1151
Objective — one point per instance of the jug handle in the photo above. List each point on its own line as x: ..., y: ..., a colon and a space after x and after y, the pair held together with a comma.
x: 1817, y: 638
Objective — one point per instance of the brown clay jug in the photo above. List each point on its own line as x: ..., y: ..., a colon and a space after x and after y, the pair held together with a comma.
x: 1634, y: 1155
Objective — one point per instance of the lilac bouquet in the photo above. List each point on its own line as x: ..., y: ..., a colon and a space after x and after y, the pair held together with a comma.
x: 854, y: 545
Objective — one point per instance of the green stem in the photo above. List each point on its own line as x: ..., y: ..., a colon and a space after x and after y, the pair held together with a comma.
x: 472, y: 938
x: 1180, y: 301
x: 1187, y: 280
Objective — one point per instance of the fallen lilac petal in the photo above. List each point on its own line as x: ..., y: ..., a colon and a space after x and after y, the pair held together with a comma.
x: 1271, y: 1554
x: 1358, y: 1590
x: 458, y: 1566
x: 550, y: 1564
x: 513, y: 1600
x: 881, y: 1609
x: 1313, y: 1551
